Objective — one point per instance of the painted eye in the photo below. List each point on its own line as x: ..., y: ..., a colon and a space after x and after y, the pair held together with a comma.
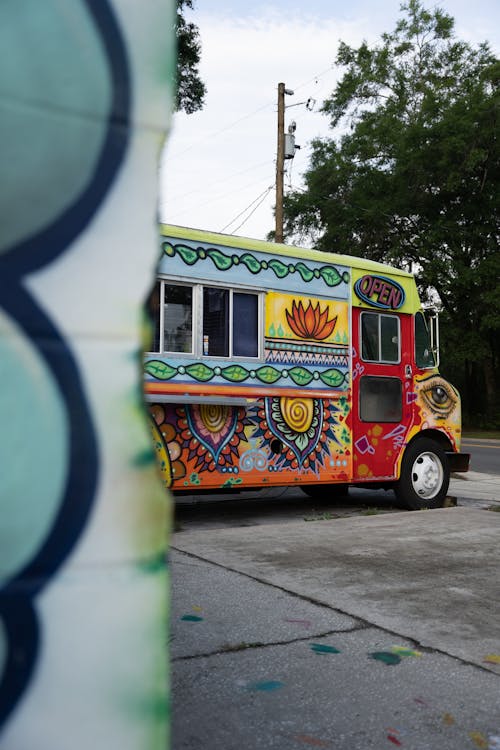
x: 439, y: 397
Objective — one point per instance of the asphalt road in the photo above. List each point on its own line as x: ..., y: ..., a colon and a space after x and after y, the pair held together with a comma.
x: 485, y: 454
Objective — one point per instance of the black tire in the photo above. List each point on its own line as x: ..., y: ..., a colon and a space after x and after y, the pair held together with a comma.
x: 326, y: 491
x: 425, y: 476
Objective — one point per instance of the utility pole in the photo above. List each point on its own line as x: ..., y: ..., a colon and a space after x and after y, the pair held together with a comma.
x: 286, y: 149
x: 280, y: 163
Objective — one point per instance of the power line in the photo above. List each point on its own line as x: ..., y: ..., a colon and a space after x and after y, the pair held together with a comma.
x: 215, y: 198
x: 261, y: 195
x: 254, y: 210
x: 218, y: 182
x: 222, y: 130
x: 315, y: 78
x: 247, y: 116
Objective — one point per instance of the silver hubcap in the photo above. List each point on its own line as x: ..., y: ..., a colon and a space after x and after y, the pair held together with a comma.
x: 427, y: 475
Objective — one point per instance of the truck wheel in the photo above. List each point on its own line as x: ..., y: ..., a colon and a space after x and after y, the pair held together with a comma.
x: 425, y: 476
x: 326, y: 491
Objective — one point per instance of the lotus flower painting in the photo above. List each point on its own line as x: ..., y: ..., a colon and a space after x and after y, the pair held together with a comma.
x: 310, y: 322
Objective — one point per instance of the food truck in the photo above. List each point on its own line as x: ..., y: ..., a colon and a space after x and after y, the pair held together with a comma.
x: 273, y: 365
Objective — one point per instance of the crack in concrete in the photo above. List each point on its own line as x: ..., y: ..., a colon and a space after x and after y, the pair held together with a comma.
x: 361, y: 623
x: 231, y: 649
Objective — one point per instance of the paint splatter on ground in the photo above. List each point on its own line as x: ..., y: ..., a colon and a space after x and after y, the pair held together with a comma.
x: 306, y: 739
x: 494, y: 742
x: 492, y: 659
x: 386, y: 657
x: 395, y: 741
x: 421, y: 702
x: 304, y: 623
x: 264, y: 686
x: 448, y: 720
x: 479, y: 740
x: 403, y: 651
x: 321, y: 648
x: 191, y: 618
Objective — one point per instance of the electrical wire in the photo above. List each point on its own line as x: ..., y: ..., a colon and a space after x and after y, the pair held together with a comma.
x: 215, y: 198
x: 218, y: 182
x: 314, y: 78
x: 247, y: 116
x: 223, y: 129
x: 254, y: 210
x: 261, y: 195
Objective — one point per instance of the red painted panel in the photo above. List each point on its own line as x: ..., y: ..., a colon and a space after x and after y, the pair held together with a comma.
x: 377, y: 445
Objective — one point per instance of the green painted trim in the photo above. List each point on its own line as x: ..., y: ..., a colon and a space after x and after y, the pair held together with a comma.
x: 223, y: 262
x: 170, y: 231
x: 202, y: 373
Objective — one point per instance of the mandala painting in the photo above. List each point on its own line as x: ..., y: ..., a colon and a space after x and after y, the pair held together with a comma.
x: 303, y: 425
x: 212, y: 434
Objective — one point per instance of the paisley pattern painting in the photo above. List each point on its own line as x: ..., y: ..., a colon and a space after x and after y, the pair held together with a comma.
x: 211, y: 433
x: 275, y: 440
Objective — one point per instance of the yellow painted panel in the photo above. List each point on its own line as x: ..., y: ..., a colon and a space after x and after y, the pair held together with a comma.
x: 301, y: 318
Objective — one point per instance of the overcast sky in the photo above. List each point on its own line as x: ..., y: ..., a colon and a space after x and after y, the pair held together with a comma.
x: 218, y: 167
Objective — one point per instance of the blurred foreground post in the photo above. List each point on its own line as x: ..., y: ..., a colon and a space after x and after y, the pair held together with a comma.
x: 85, y: 99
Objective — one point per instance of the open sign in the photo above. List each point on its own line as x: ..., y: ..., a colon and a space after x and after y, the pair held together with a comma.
x: 379, y: 291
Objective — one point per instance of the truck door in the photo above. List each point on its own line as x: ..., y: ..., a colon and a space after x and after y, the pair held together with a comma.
x: 382, y: 377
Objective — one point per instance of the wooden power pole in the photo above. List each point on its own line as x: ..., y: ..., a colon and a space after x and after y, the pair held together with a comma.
x: 280, y: 163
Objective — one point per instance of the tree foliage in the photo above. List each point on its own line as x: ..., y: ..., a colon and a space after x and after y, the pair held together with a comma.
x: 190, y: 88
x: 412, y: 177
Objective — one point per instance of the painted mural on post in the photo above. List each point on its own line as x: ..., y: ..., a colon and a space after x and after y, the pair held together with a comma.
x: 85, y: 101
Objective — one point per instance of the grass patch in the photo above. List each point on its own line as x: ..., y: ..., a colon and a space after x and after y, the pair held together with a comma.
x: 494, y: 508
x: 485, y: 434
x: 370, y: 511
x: 321, y: 517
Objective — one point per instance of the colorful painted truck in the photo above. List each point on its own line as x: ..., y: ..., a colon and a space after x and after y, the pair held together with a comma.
x: 275, y: 365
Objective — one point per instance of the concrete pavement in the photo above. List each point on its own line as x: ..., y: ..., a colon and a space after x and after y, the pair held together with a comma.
x: 361, y: 632
x: 475, y: 489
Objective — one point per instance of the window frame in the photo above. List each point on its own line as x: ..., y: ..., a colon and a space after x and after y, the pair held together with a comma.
x: 197, y: 319
x: 162, y: 350
x: 379, y: 315
x: 369, y: 378
x: 419, y: 315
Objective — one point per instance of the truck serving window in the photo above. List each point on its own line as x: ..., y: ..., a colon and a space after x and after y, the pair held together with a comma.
x: 230, y: 323
x: 178, y: 318
x: 170, y: 307
x: 380, y: 337
x: 227, y: 324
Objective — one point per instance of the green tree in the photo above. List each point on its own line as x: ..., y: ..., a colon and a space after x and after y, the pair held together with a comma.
x: 190, y: 88
x: 412, y: 177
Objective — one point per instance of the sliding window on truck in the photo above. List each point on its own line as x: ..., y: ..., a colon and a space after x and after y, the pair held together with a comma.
x: 208, y: 321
